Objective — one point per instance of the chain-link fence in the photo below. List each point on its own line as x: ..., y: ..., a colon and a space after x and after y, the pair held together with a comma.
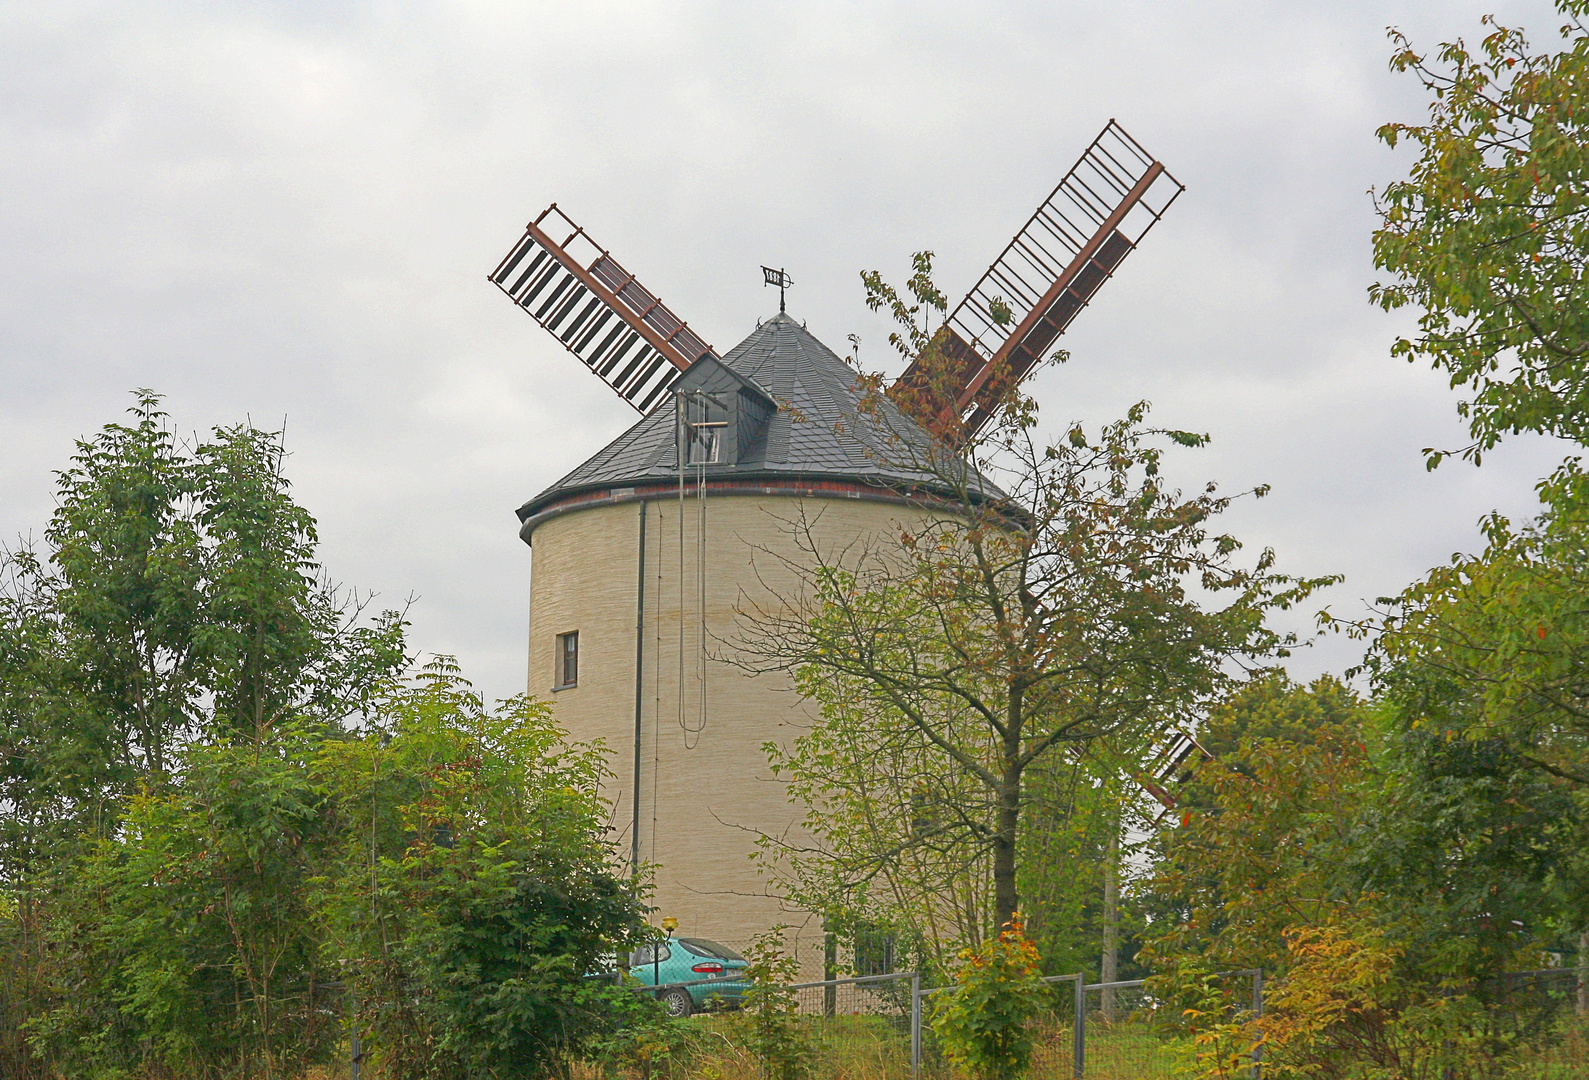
x: 859, y: 1026
x: 1544, y: 1013
x: 879, y: 1027
x: 1120, y: 1036
x: 1529, y: 1005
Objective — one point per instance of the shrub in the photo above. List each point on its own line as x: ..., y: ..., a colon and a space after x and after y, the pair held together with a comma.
x: 983, y: 1026
x: 643, y: 1040
x: 771, y: 1011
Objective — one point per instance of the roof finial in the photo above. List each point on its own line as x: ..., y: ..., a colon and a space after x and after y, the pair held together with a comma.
x: 780, y: 278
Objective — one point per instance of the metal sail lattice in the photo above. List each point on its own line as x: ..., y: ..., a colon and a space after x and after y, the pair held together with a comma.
x: 596, y: 308
x: 1094, y: 217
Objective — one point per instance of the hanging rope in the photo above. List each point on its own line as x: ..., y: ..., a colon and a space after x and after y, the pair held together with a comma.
x: 700, y: 590
x: 689, y: 433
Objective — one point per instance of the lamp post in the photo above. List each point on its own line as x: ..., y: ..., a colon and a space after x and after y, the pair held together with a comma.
x: 669, y: 924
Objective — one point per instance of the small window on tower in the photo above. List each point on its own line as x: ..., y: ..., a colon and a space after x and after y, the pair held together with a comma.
x: 567, y: 659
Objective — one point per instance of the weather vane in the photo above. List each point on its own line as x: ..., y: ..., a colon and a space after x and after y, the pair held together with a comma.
x: 780, y: 278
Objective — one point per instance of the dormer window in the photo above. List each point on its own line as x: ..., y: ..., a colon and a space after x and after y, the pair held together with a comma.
x: 720, y: 416
x: 705, y: 432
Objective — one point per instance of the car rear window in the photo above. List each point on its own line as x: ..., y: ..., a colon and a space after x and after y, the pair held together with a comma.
x: 710, y: 949
x: 642, y: 956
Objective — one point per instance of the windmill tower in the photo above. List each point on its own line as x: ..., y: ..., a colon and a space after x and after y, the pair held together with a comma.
x: 643, y: 553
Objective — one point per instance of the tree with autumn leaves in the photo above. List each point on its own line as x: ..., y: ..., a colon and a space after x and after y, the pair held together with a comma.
x: 1388, y: 866
x: 1489, y: 235
x: 1043, y: 600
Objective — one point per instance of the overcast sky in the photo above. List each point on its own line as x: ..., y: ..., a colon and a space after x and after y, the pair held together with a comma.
x: 287, y: 210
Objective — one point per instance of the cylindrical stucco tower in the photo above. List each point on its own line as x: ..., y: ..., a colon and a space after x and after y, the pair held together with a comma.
x: 634, y: 592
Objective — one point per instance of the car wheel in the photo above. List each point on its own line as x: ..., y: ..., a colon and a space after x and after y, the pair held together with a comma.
x: 678, y: 1003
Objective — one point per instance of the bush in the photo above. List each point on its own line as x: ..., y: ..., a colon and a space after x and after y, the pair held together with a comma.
x: 1347, y: 1008
x: 643, y: 1040
x: 491, y: 897
x: 984, y: 1025
x: 771, y: 1011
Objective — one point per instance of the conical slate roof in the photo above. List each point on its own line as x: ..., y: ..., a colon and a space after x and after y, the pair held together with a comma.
x: 818, y: 431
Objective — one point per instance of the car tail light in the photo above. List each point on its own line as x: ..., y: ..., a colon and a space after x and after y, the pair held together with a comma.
x: 708, y: 969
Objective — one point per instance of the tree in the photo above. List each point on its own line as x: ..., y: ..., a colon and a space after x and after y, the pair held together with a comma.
x: 131, y: 578
x: 476, y: 891
x: 1485, y: 663
x: 1488, y: 235
x: 1079, y: 835
x: 1379, y: 882
x: 1497, y: 645
x: 1490, y: 231
x: 1261, y: 856
x: 160, y: 662
x: 1273, y: 707
x: 998, y: 629
x: 184, y: 601
x: 188, y: 942
x: 442, y: 877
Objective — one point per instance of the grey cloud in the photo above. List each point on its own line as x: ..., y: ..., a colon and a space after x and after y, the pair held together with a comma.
x: 288, y: 211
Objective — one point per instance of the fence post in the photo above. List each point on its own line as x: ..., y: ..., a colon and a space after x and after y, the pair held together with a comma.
x: 1583, y: 972
x: 1080, y: 1042
x: 915, y: 1024
x: 355, y: 1049
x: 1257, y: 1011
x: 830, y: 971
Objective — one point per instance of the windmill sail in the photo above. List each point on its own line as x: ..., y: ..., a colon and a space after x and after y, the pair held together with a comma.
x: 597, y: 309
x: 1157, y: 772
x: 1157, y: 765
x: 1097, y: 214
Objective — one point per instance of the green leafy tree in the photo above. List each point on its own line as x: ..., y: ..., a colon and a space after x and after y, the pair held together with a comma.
x: 1488, y: 236
x: 187, y: 943
x: 172, y: 632
x: 476, y: 889
x: 1262, y: 855
x: 1001, y: 630
x: 127, y: 544
x: 1271, y: 706
x: 1496, y: 645
x: 1484, y: 662
x: 184, y: 600
x: 1086, y: 604
x: 1489, y: 232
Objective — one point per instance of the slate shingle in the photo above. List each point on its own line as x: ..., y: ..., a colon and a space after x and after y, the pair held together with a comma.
x: 818, y: 433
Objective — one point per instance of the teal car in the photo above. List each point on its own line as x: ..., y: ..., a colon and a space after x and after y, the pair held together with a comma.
x: 713, y: 971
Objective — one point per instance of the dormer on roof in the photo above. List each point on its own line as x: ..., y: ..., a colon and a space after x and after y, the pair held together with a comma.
x: 725, y: 414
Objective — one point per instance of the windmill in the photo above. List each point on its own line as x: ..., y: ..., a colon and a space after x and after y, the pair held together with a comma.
x: 614, y: 584
x: 1049, y: 271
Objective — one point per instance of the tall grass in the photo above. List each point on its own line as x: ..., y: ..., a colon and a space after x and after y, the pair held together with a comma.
x: 878, y: 1048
